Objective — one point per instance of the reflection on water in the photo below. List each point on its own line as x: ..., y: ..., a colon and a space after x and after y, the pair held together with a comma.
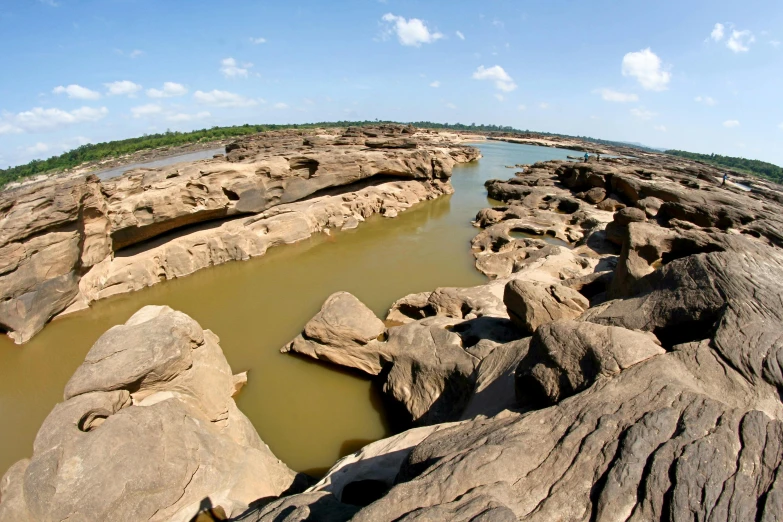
x: 309, y: 414
x: 169, y: 160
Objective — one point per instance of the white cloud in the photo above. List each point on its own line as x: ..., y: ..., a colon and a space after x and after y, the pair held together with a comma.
x: 146, y: 110
x: 496, y: 73
x: 77, y: 92
x: 180, y: 117
x: 717, y: 32
x: 38, y: 148
x: 543, y: 105
x: 740, y: 41
x: 170, y: 89
x: 460, y: 35
x: 642, y: 113
x: 135, y: 53
x: 780, y: 126
x: 50, y: 3
x: 412, y: 32
x: 223, y: 99
x: 258, y: 40
x: 500, y: 97
x: 730, y: 124
x: 231, y: 69
x: 280, y: 106
x: 521, y: 107
x: 43, y: 120
x: 774, y: 43
x: 614, y: 96
x: 452, y: 106
x: 435, y: 84
x: 646, y: 67
x: 706, y: 100
x: 661, y: 128
x: 122, y: 88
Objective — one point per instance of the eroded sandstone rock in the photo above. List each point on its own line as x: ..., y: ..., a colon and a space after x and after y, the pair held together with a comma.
x: 148, y: 430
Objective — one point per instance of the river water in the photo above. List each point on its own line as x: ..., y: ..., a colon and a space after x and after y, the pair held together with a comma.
x: 163, y: 162
x: 309, y: 414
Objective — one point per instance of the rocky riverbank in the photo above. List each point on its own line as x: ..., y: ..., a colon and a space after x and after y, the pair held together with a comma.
x: 66, y: 242
x: 623, y: 362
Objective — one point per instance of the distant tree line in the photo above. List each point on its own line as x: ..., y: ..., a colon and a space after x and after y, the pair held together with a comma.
x: 115, y: 149
x: 747, y: 166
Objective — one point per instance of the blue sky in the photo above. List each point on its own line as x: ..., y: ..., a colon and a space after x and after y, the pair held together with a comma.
x: 705, y: 76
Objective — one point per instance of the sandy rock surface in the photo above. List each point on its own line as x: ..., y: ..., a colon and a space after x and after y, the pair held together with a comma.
x: 67, y: 241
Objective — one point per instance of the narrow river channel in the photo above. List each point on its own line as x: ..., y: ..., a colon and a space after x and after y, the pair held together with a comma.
x: 307, y: 413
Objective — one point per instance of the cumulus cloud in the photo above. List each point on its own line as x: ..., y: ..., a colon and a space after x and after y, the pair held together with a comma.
x: 231, y: 69
x: 435, y: 84
x: 497, y: 74
x: 774, y: 43
x: 44, y: 120
x: 661, y: 128
x: 181, y: 117
x: 730, y: 124
x: 223, y: 99
x: 135, y: 53
x: 146, y: 110
x: 257, y: 40
x: 280, y: 106
x: 500, y: 97
x: 647, y: 68
x: 642, y: 113
x: 77, y: 92
x: 452, y: 106
x: 740, y: 41
x: 122, y: 88
x: 706, y: 100
x: 521, y: 107
x: 615, y: 96
x: 718, y: 32
x: 460, y: 35
x: 543, y: 105
x: 780, y: 126
x: 413, y: 32
x: 170, y: 89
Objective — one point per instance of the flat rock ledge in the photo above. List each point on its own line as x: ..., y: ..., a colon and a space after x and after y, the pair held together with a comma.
x: 59, y: 236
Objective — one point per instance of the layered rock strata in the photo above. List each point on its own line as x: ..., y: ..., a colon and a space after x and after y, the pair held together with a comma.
x: 67, y: 241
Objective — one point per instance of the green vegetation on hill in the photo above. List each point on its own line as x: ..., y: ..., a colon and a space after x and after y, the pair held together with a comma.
x: 115, y: 149
x: 748, y: 166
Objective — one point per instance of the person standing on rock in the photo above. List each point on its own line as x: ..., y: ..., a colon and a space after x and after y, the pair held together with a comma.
x: 725, y: 177
x: 598, y: 157
x: 587, y: 156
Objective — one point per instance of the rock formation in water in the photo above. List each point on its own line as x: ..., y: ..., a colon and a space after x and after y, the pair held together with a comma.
x: 634, y: 374
x: 619, y: 364
x: 60, y: 238
x: 148, y: 430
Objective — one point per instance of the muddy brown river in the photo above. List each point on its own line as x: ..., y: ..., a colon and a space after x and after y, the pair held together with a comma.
x: 309, y: 414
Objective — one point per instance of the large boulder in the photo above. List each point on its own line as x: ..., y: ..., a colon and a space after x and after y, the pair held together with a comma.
x: 531, y: 304
x: 344, y: 332
x: 148, y: 430
x: 565, y: 357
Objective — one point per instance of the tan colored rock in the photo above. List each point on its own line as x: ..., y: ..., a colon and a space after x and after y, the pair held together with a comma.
x: 531, y: 304
x: 149, y: 411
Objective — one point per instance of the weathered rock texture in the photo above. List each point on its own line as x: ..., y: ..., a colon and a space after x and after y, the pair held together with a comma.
x: 622, y: 366
x: 148, y: 431
x: 58, y: 237
x: 651, y: 386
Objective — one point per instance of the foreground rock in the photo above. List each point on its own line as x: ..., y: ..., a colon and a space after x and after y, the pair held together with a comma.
x: 60, y: 235
x: 148, y: 430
